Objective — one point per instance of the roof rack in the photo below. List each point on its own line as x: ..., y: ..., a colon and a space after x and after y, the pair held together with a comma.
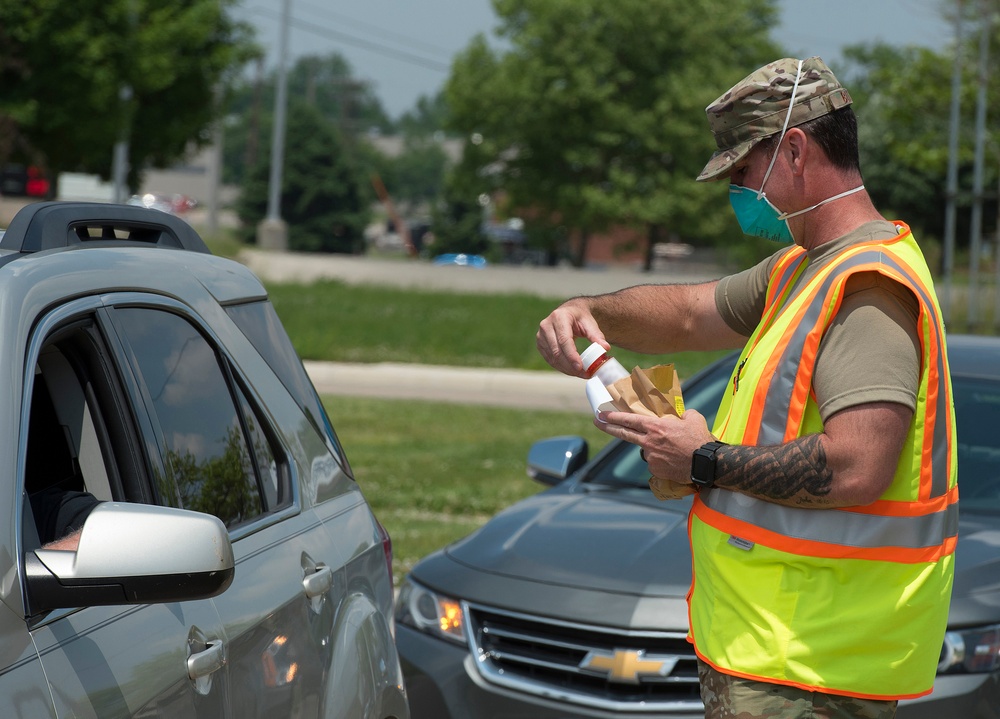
x: 51, y: 225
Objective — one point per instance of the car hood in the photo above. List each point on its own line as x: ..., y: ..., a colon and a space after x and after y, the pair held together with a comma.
x: 627, y: 544
x: 608, y: 541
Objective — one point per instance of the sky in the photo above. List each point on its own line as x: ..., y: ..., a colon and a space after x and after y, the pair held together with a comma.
x: 404, y: 47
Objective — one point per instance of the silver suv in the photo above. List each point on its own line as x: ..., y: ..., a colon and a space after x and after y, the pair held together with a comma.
x: 184, y: 537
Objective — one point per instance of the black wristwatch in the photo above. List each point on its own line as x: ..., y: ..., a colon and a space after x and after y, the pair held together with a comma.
x: 703, y: 464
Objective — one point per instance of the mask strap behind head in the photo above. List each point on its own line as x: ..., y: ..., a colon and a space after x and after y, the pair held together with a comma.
x: 788, y: 116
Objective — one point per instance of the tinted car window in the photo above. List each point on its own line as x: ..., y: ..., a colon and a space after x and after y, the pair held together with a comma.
x: 274, y: 478
x: 977, y: 410
x: 206, y: 456
x: 260, y: 323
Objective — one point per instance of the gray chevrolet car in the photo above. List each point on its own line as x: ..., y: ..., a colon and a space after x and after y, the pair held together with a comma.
x: 184, y: 537
x: 571, y: 603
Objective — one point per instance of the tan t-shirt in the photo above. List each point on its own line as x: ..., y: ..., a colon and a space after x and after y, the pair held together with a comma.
x: 871, y: 351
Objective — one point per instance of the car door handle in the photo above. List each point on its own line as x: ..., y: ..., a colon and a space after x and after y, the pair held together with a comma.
x: 201, y: 664
x: 318, y: 582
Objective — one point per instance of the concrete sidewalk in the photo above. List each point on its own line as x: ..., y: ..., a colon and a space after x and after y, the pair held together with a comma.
x: 545, y: 390
x: 551, y: 282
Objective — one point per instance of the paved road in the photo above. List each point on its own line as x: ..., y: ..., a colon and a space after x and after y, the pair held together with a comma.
x: 506, y: 388
x: 553, y: 282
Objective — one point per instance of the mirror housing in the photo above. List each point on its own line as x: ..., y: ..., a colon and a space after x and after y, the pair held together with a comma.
x: 133, y: 554
x: 550, y: 461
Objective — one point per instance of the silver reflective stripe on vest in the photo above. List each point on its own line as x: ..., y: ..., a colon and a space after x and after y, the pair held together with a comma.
x: 774, y: 416
x: 841, y: 527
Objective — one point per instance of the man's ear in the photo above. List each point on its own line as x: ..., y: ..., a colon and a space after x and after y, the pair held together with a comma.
x: 798, y: 148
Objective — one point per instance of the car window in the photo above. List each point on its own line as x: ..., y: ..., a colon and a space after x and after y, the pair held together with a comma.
x: 207, y: 460
x: 80, y: 434
x: 977, y: 413
x: 259, y: 322
x: 274, y: 475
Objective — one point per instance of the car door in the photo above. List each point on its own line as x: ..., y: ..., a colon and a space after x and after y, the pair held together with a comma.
x: 84, y: 432
x: 225, y: 451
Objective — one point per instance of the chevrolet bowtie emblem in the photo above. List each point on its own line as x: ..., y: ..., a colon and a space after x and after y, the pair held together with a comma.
x: 625, y: 666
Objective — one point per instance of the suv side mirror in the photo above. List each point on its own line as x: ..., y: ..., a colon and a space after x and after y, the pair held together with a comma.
x: 133, y: 554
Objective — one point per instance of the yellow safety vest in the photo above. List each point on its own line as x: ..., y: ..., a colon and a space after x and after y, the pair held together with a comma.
x: 850, y: 601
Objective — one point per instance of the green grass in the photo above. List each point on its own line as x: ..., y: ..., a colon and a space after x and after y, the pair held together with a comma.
x: 331, y: 320
x: 434, y: 472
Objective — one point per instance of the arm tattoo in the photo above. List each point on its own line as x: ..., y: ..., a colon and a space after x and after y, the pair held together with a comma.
x: 795, y: 474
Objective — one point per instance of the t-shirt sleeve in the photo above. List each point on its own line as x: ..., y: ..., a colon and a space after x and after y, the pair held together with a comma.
x: 871, y: 352
x: 740, y: 298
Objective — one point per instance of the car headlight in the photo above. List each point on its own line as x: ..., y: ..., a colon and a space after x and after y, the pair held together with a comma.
x: 436, y: 614
x: 972, y: 651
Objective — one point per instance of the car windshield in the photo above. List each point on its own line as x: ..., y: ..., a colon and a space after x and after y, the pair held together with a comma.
x: 977, y: 410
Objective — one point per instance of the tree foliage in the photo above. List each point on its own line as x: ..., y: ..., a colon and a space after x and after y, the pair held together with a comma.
x: 593, y: 114
x: 428, y: 116
x: 325, y: 199
x: 64, y: 70
x: 902, y: 96
x: 416, y: 175
x: 325, y: 82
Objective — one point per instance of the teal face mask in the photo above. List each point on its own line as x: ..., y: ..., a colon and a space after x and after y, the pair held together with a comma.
x: 757, y: 216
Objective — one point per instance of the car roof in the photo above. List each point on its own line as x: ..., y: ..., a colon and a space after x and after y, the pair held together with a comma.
x: 974, y: 355
x: 55, y: 225
x: 53, y: 250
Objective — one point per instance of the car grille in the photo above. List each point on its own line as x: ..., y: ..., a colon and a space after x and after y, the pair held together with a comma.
x: 600, y: 667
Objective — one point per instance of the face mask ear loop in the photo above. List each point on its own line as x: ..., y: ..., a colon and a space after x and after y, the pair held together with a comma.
x: 788, y: 116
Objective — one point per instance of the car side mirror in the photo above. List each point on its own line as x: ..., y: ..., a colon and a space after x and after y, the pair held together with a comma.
x: 550, y: 461
x: 133, y: 554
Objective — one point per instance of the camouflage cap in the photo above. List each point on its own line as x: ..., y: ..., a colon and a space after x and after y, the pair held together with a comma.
x: 756, y: 107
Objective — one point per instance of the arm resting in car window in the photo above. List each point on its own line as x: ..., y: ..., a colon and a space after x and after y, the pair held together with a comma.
x: 60, y: 514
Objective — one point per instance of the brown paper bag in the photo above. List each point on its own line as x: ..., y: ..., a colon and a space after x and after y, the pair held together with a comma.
x: 654, y: 392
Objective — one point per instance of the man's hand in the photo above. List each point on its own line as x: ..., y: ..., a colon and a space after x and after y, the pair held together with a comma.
x: 557, y: 334
x: 667, y: 443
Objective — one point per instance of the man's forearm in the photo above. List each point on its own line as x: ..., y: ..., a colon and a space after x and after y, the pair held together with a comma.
x: 794, y: 474
x: 661, y: 319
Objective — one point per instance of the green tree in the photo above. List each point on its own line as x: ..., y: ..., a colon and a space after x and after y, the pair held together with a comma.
x: 64, y: 70
x: 324, y: 82
x: 457, y: 219
x: 429, y: 116
x: 594, y: 114
x: 902, y: 96
x: 324, y: 198
x: 416, y: 175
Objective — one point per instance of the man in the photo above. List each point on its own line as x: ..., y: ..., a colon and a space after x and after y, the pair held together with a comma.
x: 824, y: 528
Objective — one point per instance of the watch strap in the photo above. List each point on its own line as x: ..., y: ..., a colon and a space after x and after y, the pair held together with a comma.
x: 703, y: 464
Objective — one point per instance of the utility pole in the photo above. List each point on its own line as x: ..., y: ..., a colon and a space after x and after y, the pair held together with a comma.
x: 119, y: 157
x: 951, y: 192
x: 976, y: 230
x: 272, y: 233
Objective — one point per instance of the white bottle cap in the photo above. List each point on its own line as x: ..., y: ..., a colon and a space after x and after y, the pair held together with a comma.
x: 591, y: 355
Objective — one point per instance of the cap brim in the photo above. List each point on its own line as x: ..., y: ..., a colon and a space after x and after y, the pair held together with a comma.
x: 723, y: 161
